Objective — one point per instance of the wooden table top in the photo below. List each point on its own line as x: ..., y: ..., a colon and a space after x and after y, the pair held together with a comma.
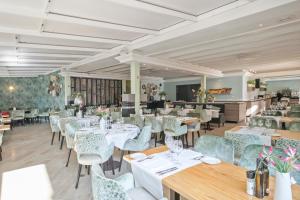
x: 206, y: 182
x: 222, y: 181
x: 289, y: 119
x: 4, y: 127
x: 283, y: 133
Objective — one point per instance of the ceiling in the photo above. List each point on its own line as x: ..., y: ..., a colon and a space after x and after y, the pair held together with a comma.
x: 176, y: 38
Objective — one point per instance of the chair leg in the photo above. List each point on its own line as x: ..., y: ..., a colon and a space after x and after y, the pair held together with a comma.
x: 112, y: 165
x: 182, y: 139
x: 53, y: 135
x: 88, y: 169
x: 186, y: 139
x: 0, y: 153
x: 121, y: 159
x: 155, y: 139
x: 59, y: 134
x: 193, y: 138
x: 62, y: 142
x: 78, y: 175
x: 69, y: 154
x: 198, y: 133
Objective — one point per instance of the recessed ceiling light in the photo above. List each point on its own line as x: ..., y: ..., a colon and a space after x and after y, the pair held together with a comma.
x: 260, y: 25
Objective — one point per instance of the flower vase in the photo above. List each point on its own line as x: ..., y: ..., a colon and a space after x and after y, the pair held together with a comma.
x: 283, y: 189
x: 198, y: 99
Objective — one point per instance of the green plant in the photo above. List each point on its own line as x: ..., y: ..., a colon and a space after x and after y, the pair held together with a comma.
x: 162, y: 93
x: 286, y: 92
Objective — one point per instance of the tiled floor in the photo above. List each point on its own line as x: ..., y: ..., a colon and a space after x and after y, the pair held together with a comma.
x: 29, y: 145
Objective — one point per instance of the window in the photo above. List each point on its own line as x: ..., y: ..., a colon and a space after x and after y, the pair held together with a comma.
x: 98, y: 91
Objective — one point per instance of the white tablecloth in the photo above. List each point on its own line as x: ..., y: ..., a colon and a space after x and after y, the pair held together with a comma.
x: 145, y: 172
x: 118, y: 134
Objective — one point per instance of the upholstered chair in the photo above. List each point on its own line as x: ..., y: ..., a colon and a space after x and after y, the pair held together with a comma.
x: 273, y: 122
x: 54, y: 126
x: 18, y: 116
x: 293, y: 114
x: 283, y: 143
x: 188, y: 106
x: 1, y: 136
x: 70, y: 112
x: 194, y: 128
x: 173, y: 127
x: 92, y: 148
x: 62, y: 127
x: 241, y: 141
x: 205, y: 118
x: 198, y: 108
x: 251, y: 152
x: 215, y: 146
x: 43, y: 115
x: 32, y: 115
x: 137, y: 120
x: 141, y: 143
x: 147, y: 111
x: 115, y: 116
x: 156, y: 127
x: 294, y: 126
x: 120, y: 188
x: 70, y: 130
x: 173, y: 112
x: 295, y: 108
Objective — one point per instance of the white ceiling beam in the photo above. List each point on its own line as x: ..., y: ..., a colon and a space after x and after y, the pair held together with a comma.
x: 28, y: 65
x: 43, y: 61
x: 51, y: 47
x: 18, y: 31
x: 278, y: 74
x: 155, y: 9
x: 95, y: 75
x: 229, y: 15
x: 99, y: 24
x: 27, y: 68
x: 50, y: 55
x: 128, y: 58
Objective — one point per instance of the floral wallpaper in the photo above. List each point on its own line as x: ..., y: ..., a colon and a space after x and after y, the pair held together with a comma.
x: 31, y: 92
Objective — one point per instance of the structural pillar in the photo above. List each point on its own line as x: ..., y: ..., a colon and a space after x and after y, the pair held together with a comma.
x: 203, y: 82
x: 67, y: 89
x: 135, y: 84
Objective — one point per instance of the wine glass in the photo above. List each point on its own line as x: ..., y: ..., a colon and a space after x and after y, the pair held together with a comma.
x: 169, y: 141
x: 177, y: 148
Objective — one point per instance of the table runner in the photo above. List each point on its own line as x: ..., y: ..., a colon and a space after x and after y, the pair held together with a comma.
x: 145, y: 172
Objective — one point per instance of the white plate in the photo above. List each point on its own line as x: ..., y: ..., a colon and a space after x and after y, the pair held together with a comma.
x: 211, y: 160
x: 137, y: 156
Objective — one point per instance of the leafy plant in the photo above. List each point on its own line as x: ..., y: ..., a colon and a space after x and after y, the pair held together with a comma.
x: 162, y: 93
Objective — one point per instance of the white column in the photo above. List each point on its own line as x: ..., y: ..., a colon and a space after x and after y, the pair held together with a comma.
x: 203, y: 82
x: 123, y: 86
x: 67, y: 89
x: 135, y: 84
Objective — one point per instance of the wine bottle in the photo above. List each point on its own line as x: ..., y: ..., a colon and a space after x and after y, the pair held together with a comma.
x: 266, y: 178
x: 259, y: 179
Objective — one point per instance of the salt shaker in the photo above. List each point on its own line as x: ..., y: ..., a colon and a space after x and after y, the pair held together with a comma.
x: 251, y: 182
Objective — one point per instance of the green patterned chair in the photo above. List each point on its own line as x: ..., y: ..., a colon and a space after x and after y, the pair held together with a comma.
x: 272, y: 123
x: 70, y: 130
x: 172, y: 127
x: 251, y: 152
x: 115, y: 116
x: 205, y: 118
x: 293, y: 114
x: 1, y: 136
x: 54, y: 127
x: 92, y: 149
x: 141, y: 143
x: 120, y: 188
x: 62, y: 127
x: 32, y: 115
x: 255, y: 121
x: 135, y: 120
x: 283, y: 143
x: 17, y: 116
x: 241, y: 141
x: 295, y: 108
x: 156, y: 127
x: 294, y: 126
x: 215, y: 146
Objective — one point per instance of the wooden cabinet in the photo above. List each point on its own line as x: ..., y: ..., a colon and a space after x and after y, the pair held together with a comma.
x: 235, y: 112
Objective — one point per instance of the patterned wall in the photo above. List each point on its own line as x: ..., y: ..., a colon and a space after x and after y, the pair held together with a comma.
x: 30, y: 93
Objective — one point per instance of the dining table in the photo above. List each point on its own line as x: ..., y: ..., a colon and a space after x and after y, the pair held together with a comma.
x: 274, y: 133
x: 205, y: 182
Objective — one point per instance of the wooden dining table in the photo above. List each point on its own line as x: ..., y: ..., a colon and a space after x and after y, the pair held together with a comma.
x: 282, y: 133
x: 223, y: 181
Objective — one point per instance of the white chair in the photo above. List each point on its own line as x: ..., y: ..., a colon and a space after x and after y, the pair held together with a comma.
x: 62, y: 127
x: 194, y: 128
x: 205, y: 118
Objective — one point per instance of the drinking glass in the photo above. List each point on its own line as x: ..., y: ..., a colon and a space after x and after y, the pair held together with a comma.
x: 177, y: 148
x: 169, y: 141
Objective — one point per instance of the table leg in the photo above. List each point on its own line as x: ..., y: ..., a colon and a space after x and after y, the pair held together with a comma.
x: 168, y: 193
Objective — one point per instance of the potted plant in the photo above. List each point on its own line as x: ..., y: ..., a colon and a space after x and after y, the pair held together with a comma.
x: 201, y: 95
x: 162, y: 95
x: 283, y: 165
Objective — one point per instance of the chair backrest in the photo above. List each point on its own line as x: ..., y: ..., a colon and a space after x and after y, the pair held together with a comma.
x: 216, y: 146
x: 70, y: 112
x: 204, y: 116
x: 62, y: 123
x: 54, y: 123
x: 170, y: 123
x: 18, y: 113
x: 194, y: 114
x: 293, y: 114
x: 272, y: 121
x: 104, y: 188
x: 189, y: 106
x: 145, y: 135
x: 294, y: 126
x: 116, y: 115
x: 137, y: 120
x: 283, y: 143
x: 295, y: 108
x: 241, y: 141
x: 34, y: 111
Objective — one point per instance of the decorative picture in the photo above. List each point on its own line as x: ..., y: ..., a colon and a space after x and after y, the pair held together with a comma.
x: 54, y: 87
x: 220, y: 91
